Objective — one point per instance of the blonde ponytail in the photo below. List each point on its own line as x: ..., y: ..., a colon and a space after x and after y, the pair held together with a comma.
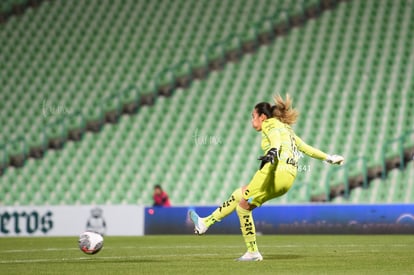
x: 283, y: 110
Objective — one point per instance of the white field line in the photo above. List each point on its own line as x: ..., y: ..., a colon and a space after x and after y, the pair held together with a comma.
x: 37, y: 250
x: 203, y: 247
x: 76, y: 259
x: 99, y: 258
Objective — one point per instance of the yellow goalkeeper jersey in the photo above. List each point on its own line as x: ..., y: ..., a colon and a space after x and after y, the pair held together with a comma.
x: 276, y: 134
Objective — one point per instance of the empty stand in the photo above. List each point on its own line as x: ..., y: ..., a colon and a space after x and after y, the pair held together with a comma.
x: 398, y: 187
x: 347, y: 71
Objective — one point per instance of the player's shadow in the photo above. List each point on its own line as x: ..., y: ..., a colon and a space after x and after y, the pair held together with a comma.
x: 123, y: 261
x: 282, y: 256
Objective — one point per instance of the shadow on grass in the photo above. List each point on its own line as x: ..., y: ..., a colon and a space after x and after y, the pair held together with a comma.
x: 282, y: 257
x: 122, y: 261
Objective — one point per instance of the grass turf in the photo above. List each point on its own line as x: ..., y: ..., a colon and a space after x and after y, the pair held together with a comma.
x: 211, y: 254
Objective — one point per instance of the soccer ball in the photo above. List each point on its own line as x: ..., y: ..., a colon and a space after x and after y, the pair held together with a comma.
x: 90, y: 242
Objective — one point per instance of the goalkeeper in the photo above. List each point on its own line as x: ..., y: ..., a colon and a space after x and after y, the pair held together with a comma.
x: 276, y: 174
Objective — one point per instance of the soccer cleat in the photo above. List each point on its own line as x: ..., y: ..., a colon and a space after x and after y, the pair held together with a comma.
x: 199, y: 226
x: 250, y: 257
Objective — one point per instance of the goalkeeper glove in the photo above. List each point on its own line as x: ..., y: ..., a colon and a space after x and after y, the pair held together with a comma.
x: 335, y: 159
x: 270, y: 156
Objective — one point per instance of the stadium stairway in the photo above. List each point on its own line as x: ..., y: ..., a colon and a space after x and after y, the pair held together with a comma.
x: 397, y: 187
x: 374, y: 174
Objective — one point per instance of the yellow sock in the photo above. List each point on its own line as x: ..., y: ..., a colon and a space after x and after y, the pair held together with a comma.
x: 225, y: 209
x: 248, y: 229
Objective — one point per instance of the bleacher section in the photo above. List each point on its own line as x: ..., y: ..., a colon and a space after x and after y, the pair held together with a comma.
x: 84, y: 55
x: 348, y: 70
x: 398, y: 187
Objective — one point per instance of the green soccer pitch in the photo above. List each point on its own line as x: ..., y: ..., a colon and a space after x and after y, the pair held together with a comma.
x: 212, y: 254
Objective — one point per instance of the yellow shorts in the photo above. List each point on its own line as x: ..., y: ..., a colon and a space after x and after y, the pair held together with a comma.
x: 269, y: 182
